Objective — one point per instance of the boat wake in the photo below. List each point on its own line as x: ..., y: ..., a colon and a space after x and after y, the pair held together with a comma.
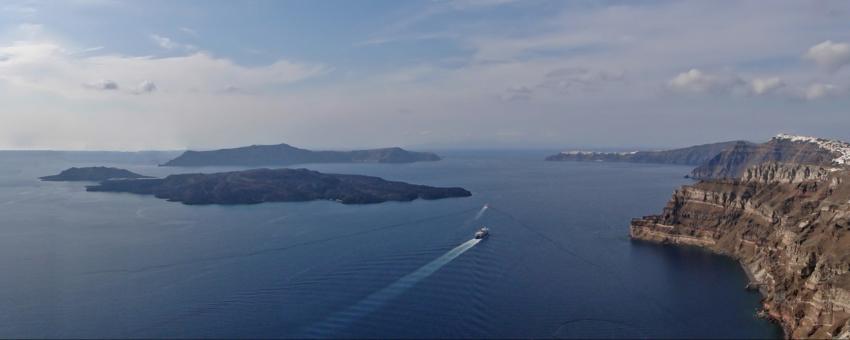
x: 342, y: 319
x: 481, y: 212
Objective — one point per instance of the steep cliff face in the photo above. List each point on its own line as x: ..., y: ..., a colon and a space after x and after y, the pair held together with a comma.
x: 788, y: 223
x: 732, y: 162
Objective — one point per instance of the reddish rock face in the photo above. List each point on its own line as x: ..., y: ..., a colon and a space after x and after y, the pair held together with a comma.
x: 785, y: 216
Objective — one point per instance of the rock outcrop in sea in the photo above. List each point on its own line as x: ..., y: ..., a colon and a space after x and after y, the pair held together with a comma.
x: 284, y: 154
x: 276, y: 185
x: 782, y: 209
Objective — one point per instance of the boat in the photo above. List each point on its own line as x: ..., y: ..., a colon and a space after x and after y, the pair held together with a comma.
x: 482, y: 233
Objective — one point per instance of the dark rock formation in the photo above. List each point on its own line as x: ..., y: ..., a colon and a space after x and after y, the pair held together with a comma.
x: 276, y: 185
x: 785, y: 217
x: 283, y: 154
x: 694, y: 155
x: 94, y: 174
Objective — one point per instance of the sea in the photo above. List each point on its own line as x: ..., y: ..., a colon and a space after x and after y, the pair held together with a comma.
x: 558, y: 262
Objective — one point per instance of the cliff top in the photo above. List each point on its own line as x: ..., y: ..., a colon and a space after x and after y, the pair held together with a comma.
x: 842, y: 149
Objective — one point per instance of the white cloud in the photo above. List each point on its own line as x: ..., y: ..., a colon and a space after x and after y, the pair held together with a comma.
x: 169, y: 44
x: 50, y: 67
x: 146, y: 87
x: 29, y: 31
x: 189, y: 31
x: 696, y: 81
x: 23, y: 10
x: 518, y: 93
x: 568, y: 69
x: 760, y: 86
x: 164, y: 42
x: 570, y: 79
x: 819, y: 91
x: 103, y: 85
x: 829, y: 55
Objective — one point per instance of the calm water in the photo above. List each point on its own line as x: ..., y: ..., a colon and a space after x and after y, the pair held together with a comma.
x: 558, y: 263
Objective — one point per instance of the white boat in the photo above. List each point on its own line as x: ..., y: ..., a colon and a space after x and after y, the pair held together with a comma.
x: 482, y: 233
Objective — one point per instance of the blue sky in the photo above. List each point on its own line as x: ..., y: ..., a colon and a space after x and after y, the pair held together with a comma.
x: 102, y: 74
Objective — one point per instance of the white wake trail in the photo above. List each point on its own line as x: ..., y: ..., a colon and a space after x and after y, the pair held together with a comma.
x: 374, y: 301
x: 481, y: 212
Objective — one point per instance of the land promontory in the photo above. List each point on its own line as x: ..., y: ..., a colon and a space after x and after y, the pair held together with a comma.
x: 284, y: 154
x: 693, y: 155
x: 276, y: 185
x: 782, y: 208
x: 93, y: 174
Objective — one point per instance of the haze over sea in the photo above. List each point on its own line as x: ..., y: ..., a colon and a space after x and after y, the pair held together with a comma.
x: 558, y: 263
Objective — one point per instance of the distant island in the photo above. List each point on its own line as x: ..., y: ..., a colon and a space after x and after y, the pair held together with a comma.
x: 94, y: 174
x: 694, y: 155
x: 276, y: 185
x: 284, y: 154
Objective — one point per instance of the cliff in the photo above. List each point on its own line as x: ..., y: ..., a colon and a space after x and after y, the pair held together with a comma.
x: 732, y: 162
x: 284, y: 154
x: 276, y: 185
x: 786, y: 217
x: 94, y: 174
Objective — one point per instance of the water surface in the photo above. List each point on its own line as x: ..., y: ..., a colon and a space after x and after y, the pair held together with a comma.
x: 558, y: 263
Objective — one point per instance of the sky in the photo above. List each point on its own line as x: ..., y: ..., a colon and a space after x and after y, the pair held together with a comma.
x: 145, y: 75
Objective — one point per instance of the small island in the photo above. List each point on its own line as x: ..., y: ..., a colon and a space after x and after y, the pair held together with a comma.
x: 276, y: 185
x: 285, y: 154
x: 92, y: 174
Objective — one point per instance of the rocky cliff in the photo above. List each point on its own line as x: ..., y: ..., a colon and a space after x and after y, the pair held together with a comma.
x: 284, y: 154
x: 785, y: 215
x: 732, y: 163
x: 694, y: 155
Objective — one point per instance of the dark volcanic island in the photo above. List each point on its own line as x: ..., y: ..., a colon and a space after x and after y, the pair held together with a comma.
x: 276, y: 185
x: 284, y: 154
x: 94, y: 174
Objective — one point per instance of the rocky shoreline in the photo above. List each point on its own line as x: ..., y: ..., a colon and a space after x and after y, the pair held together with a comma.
x: 791, y: 241
x: 786, y: 220
x: 767, y: 310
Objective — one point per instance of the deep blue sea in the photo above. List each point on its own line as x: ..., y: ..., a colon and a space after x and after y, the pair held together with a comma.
x: 558, y: 262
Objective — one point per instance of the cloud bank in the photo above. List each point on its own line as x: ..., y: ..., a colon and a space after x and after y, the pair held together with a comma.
x: 482, y: 74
